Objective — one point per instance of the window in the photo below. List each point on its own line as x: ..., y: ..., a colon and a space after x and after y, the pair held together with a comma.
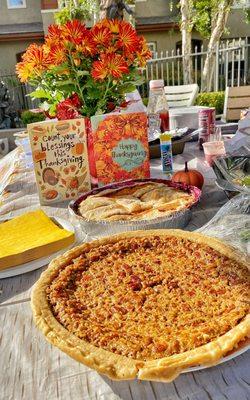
x: 195, y: 43
x: 16, y: 3
x: 152, y: 47
x: 19, y: 56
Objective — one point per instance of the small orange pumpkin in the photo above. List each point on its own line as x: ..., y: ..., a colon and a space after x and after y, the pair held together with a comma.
x: 189, y: 176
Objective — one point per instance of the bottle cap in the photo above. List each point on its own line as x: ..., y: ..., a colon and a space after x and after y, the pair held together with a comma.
x: 158, y: 83
x: 165, y: 137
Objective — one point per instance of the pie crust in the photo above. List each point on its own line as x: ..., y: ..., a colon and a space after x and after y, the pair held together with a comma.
x: 142, y: 201
x: 121, y: 367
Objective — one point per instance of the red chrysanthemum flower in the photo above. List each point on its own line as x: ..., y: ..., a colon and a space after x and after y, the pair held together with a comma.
x: 54, y: 36
x: 74, y: 31
x: 75, y: 100
x: 69, y: 108
x: 101, y: 35
x: 128, y: 39
x: 113, y: 65
x: 56, y: 55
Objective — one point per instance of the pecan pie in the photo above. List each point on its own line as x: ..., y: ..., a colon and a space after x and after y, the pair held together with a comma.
x: 146, y: 304
x: 141, y: 201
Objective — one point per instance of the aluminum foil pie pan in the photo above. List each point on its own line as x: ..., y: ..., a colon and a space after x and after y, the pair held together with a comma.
x: 176, y: 220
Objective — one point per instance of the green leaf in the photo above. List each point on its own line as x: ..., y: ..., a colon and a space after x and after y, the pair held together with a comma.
x: 64, y: 83
x: 40, y: 94
x: 58, y: 96
x: 67, y: 90
x: 139, y: 82
x: 59, y: 68
x: 127, y: 87
x: 82, y: 73
x: 52, y: 109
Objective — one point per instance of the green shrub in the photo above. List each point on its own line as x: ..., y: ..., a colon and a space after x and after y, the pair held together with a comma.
x: 212, y: 99
x: 145, y: 101
x: 29, y: 117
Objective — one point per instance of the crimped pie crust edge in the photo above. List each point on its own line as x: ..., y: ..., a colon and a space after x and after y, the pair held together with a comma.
x: 121, y: 367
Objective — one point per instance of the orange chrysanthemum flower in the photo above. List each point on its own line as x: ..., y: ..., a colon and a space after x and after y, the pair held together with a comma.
x: 101, y: 35
x: 24, y: 71
x: 56, y: 55
x: 143, y: 54
x: 35, y: 61
x: 111, y: 49
x: 113, y: 65
x: 87, y: 46
x: 112, y: 24
x: 74, y: 31
x: 128, y: 39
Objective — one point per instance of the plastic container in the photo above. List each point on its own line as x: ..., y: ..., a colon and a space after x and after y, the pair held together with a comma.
x: 233, y: 173
x: 213, y: 150
x: 22, y: 139
x: 231, y: 224
x: 158, y: 114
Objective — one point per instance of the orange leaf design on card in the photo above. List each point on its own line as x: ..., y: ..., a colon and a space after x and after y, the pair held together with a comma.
x: 100, y: 165
x: 39, y: 155
x: 78, y: 149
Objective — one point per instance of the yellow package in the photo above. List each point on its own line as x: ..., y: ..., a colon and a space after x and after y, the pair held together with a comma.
x: 30, y: 236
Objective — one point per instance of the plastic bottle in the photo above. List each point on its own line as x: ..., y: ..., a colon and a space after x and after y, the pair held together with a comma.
x: 166, y: 153
x: 158, y: 115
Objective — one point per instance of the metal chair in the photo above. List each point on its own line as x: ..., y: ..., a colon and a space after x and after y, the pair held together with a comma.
x: 182, y: 95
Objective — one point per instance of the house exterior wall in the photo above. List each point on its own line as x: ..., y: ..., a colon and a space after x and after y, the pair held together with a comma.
x: 10, y: 48
x: 156, y: 8
x: 236, y: 24
x: 167, y: 40
x: 32, y: 13
x: 8, y: 51
x: 48, y: 9
x: 48, y: 19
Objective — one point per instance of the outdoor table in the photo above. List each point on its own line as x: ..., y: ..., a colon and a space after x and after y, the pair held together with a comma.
x: 32, y: 369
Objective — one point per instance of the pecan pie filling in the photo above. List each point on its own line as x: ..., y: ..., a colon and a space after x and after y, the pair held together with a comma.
x: 148, y: 298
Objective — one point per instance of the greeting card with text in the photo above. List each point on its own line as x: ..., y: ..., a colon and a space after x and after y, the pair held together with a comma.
x: 120, y: 144
x: 60, y: 156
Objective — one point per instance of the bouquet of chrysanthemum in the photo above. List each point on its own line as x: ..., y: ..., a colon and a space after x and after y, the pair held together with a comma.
x: 80, y: 71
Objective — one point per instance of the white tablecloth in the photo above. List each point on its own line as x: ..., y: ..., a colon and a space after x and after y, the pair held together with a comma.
x: 32, y: 369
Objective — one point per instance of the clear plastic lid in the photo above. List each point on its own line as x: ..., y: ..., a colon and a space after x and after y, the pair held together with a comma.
x: 156, y: 84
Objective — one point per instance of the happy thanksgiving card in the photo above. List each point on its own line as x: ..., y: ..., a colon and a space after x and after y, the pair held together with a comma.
x: 120, y: 143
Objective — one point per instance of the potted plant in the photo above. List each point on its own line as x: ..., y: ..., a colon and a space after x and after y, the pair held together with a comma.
x: 84, y: 72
